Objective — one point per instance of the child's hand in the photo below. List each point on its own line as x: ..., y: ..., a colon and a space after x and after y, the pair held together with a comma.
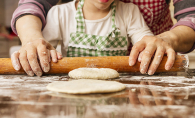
x: 34, y: 57
x: 146, y: 48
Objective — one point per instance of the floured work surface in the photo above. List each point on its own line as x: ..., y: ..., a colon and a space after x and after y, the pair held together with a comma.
x: 144, y: 96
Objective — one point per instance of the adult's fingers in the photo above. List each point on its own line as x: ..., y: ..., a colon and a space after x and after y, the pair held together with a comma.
x: 157, y: 59
x: 137, y: 48
x: 15, y: 60
x: 140, y: 56
x: 33, y: 61
x: 43, y: 57
x: 146, y: 58
x: 171, y: 58
x: 25, y: 64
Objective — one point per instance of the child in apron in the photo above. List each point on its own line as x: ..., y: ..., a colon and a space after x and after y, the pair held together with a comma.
x: 105, y: 36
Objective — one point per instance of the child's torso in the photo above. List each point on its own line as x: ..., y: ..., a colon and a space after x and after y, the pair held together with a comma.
x: 100, y: 27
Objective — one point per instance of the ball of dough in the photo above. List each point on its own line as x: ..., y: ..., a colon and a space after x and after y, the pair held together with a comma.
x: 93, y: 73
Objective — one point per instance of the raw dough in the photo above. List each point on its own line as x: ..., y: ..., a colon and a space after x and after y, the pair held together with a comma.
x: 93, y: 73
x: 85, y: 86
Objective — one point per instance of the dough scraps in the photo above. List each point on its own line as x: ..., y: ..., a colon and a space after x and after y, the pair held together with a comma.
x: 93, y: 73
x: 85, y: 86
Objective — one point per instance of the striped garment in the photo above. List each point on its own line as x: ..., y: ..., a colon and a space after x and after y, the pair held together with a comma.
x: 184, y: 11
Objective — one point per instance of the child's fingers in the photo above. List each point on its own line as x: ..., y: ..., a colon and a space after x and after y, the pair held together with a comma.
x: 157, y: 59
x: 49, y: 55
x: 33, y: 61
x: 15, y: 60
x: 54, y: 56
x: 43, y: 56
x: 25, y: 63
x: 59, y: 55
x: 137, y: 48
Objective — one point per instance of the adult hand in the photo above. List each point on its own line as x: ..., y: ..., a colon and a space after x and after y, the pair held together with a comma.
x: 34, y: 56
x: 144, y: 51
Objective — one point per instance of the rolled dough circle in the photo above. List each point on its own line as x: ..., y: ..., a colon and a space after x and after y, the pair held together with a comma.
x: 93, y: 73
x: 85, y: 86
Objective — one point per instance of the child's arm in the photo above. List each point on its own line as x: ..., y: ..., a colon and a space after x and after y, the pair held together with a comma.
x: 33, y: 48
x: 37, y: 8
x: 147, y: 45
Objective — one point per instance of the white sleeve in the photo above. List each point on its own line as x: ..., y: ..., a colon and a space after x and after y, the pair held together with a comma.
x: 52, y: 32
x: 136, y: 26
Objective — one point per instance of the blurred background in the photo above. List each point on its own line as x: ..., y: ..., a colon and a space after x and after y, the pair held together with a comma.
x: 9, y: 42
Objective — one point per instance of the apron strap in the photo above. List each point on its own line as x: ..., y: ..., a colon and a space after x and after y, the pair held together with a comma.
x: 79, y: 18
x: 81, y: 21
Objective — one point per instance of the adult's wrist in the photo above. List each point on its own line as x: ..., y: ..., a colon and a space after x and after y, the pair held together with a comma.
x: 171, y: 38
x: 181, y: 38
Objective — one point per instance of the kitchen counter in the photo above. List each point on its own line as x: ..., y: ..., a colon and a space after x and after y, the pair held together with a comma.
x: 167, y: 95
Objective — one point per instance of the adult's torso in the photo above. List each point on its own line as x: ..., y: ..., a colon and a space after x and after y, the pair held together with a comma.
x: 156, y: 14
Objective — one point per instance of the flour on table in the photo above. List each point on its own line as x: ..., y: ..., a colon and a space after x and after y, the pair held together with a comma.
x: 93, y: 73
x: 85, y: 86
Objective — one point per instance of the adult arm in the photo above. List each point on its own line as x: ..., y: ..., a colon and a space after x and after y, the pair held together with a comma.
x: 182, y: 33
x: 146, y: 45
x: 180, y: 38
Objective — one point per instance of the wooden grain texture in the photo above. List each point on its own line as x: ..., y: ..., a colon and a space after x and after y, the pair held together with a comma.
x: 119, y: 63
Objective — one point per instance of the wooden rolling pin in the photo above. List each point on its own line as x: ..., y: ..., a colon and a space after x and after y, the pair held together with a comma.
x: 119, y: 63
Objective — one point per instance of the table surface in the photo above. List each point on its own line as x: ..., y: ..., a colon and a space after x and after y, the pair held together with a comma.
x: 168, y: 95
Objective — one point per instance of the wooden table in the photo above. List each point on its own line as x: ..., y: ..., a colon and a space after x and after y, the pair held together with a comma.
x: 167, y: 95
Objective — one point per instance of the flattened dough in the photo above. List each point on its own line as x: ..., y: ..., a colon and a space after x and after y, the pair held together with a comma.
x: 85, y: 86
x: 93, y: 73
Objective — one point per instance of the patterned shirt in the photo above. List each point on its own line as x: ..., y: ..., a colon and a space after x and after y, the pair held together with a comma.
x: 184, y: 10
x: 153, y: 12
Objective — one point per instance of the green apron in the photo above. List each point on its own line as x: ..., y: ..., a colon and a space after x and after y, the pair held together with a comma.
x: 82, y: 44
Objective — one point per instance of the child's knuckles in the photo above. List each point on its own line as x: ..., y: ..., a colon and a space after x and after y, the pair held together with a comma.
x: 32, y: 57
x: 22, y: 57
x: 42, y: 52
x: 42, y: 42
x: 42, y: 47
